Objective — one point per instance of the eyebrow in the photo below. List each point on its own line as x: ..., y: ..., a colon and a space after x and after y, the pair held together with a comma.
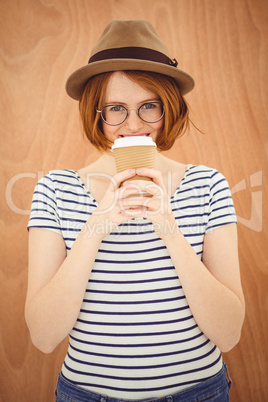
x: 125, y: 104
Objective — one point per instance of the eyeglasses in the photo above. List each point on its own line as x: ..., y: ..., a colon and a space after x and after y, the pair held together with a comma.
x: 149, y: 112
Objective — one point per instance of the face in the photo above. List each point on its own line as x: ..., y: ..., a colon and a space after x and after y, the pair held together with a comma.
x: 122, y: 91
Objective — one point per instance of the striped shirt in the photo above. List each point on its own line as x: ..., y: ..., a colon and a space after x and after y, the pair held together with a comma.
x: 135, y: 336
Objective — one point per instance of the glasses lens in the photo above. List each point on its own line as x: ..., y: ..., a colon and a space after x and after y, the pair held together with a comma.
x: 114, y: 115
x: 151, y: 111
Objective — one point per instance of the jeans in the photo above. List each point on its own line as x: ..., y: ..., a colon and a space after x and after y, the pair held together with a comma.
x: 216, y: 389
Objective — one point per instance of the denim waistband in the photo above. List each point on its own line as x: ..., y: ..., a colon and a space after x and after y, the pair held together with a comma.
x: 214, y: 388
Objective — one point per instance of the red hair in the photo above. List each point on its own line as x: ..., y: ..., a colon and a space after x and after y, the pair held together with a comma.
x: 176, y: 109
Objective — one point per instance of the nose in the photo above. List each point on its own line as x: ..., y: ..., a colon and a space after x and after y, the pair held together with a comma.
x: 133, y: 121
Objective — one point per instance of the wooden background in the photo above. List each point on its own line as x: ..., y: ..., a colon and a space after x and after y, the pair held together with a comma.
x: 223, y: 44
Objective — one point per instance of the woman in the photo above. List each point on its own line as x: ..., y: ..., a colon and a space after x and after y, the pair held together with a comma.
x: 147, y: 287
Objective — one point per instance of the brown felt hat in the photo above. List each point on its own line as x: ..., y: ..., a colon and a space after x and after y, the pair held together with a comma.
x: 128, y: 45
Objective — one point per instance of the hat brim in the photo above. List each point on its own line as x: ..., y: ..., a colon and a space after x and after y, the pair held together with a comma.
x: 76, y: 83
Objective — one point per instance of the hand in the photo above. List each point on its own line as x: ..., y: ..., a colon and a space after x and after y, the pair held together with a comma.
x: 140, y: 198
x: 108, y: 215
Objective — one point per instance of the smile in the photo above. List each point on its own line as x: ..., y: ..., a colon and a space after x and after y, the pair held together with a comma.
x: 134, y: 135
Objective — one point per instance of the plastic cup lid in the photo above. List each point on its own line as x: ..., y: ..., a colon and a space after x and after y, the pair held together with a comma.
x: 133, y: 141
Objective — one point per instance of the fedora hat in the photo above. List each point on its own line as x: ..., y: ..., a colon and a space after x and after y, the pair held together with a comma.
x: 128, y: 45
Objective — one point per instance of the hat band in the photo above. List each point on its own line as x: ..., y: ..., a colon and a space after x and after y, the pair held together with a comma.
x: 139, y: 53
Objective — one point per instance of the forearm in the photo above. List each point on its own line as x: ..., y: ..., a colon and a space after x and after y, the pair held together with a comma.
x: 218, y: 311
x: 52, y: 312
x: 56, y: 283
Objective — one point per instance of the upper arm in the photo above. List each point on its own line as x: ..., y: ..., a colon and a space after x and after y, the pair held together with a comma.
x: 220, y: 256
x: 47, y: 252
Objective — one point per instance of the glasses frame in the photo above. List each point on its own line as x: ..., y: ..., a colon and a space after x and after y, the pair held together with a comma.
x: 138, y: 109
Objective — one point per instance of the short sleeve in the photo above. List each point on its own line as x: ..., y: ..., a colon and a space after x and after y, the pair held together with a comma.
x: 44, y: 206
x: 221, y: 206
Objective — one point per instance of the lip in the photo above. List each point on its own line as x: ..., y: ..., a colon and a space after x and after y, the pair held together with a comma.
x: 134, y: 135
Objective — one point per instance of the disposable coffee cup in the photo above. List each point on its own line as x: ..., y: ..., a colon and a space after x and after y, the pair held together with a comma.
x: 133, y: 153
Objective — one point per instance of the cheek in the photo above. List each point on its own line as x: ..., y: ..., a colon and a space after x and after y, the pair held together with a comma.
x: 103, y: 129
x: 108, y: 131
x: 159, y: 126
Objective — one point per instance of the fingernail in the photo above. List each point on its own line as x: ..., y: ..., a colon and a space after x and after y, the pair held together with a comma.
x: 132, y: 171
x: 139, y: 170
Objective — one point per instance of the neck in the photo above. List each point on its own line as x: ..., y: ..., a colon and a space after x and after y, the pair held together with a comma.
x: 106, y: 163
x: 101, y: 171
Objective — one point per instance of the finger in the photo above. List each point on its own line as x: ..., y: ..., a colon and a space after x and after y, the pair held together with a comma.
x: 155, y: 175
x: 131, y: 202
x: 142, y: 186
x: 126, y: 204
x: 119, y: 178
x: 134, y: 212
x: 133, y: 190
x: 152, y: 205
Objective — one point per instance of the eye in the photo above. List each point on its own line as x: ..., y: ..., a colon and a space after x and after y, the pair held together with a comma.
x: 115, y: 108
x: 148, y: 105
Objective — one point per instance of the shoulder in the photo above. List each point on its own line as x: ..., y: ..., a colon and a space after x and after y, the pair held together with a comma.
x: 205, y: 175
x: 200, y: 170
x: 59, y: 175
x: 59, y: 178
x: 200, y: 180
x: 58, y: 183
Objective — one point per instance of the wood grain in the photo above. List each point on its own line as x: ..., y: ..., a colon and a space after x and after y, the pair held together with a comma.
x: 223, y: 44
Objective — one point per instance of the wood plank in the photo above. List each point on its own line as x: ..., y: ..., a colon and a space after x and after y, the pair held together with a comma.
x: 223, y: 44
